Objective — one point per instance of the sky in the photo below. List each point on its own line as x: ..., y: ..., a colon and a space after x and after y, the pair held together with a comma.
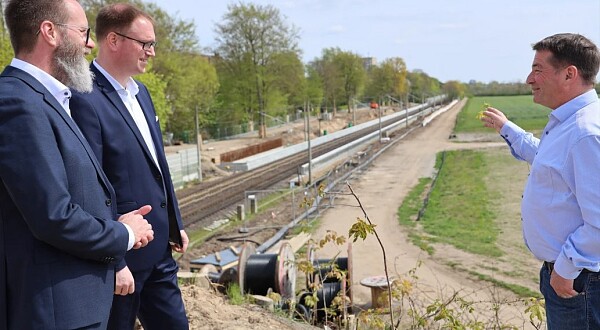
x: 464, y: 40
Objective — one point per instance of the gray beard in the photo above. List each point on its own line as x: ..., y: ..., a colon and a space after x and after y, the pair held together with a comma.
x: 71, y: 68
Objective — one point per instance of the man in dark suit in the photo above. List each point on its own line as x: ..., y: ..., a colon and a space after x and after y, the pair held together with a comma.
x: 59, y: 242
x: 119, y: 121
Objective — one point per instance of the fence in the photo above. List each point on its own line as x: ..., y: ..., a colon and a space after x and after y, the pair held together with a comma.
x: 183, y: 166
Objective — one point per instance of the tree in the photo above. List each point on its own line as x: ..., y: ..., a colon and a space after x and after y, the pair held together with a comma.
x: 454, y: 89
x: 179, y: 78
x: 192, y: 83
x: 330, y: 77
x: 388, y: 79
x: 249, y: 40
x: 314, y: 86
x: 6, y: 51
x: 353, y: 75
x: 422, y: 86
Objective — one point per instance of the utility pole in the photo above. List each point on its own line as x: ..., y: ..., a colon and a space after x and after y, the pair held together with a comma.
x: 307, y: 109
x: 353, y: 112
x: 198, y: 144
x: 379, y: 108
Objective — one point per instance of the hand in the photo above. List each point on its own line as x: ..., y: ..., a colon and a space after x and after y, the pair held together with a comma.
x: 142, y: 230
x: 494, y: 118
x: 562, y: 286
x: 185, y: 240
x: 124, y: 283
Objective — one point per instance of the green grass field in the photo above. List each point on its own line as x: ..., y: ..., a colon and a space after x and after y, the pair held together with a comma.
x: 475, y: 202
x: 519, y: 109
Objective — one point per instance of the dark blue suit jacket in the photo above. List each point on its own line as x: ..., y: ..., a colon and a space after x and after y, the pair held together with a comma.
x: 126, y: 160
x: 58, y: 237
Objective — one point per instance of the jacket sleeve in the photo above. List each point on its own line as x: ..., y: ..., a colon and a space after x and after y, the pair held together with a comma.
x: 42, y: 164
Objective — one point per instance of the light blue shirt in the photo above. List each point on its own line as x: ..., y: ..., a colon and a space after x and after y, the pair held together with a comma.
x: 561, y: 202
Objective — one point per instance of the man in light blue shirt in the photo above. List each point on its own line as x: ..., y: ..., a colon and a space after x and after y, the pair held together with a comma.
x: 561, y: 202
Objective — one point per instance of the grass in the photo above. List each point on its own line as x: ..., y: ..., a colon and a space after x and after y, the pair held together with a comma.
x: 476, y: 198
x: 458, y: 212
x: 519, y: 109
x: 517, y: 289
x: 408, y: 211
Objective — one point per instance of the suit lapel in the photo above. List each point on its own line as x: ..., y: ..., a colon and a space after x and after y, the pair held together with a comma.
x: 113, y: 96
x: 146, y: 105
x: 53, y: 103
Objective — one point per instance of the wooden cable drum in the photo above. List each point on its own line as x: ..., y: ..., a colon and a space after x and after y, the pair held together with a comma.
x: 257, y: 273
x: 210, y: 271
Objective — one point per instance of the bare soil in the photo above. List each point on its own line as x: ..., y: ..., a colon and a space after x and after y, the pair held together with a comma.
x: 381, y: 190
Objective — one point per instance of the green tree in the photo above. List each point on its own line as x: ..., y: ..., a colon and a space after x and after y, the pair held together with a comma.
x: 250, y: 40
x: 6, y: 51
x: 180, y: 78
x: 330, y: 76
x: 192, y: 84
x: 389, y: 78
x: 353, y: 75
x: 314, y: 86
x: 422, y: 85
x: 157, y: 88
x: 454, y: 89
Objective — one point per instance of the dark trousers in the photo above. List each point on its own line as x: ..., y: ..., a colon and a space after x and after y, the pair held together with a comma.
x: 579, y: 312
x: 156, y: 302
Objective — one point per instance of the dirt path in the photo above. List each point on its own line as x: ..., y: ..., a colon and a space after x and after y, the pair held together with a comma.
x: 381, y: 190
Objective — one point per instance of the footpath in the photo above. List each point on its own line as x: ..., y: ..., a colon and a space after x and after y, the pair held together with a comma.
x: 381, y: 190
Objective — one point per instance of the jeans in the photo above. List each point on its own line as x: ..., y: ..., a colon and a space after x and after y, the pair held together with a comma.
x: 579, y: 312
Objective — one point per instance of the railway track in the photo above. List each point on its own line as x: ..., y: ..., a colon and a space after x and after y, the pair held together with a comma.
x: 204, y: 200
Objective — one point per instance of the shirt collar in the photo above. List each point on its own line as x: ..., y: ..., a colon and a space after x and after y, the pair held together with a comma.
x: 60, y: 92
x: 131, y: 86
x: 568, y: 109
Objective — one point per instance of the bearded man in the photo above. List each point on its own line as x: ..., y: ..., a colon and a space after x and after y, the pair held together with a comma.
x: 59, y: 241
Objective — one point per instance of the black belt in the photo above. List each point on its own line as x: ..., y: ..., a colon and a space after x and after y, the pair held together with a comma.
x: 550, y: 266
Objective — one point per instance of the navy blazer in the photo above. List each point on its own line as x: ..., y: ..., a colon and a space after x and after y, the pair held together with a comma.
x: 58, y: 237
x: 128, y: 164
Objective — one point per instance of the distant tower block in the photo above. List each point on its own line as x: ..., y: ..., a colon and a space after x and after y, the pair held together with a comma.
x: 253, y: 204
x: 240, y: 212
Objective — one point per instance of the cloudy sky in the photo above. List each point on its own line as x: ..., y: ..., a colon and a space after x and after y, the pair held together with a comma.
x: 483, y: 40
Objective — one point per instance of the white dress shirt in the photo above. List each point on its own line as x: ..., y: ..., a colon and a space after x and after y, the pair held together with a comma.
x: 62, y: 94
x: 127, y: 95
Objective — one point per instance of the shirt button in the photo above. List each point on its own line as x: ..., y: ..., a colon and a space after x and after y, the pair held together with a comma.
x: 163, y: 205
x: 108, y: 202
x: 546, y: 132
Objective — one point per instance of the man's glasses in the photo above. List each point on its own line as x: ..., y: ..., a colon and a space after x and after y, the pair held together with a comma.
x: 146, y: 45
x: 81, y: 30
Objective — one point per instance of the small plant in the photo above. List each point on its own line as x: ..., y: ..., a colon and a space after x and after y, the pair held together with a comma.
x: 235, y: 294
x: 484, y: 107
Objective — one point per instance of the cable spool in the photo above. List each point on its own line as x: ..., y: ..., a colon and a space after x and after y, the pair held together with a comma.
x: 259, y: 272
x: 330, y: 286
x: 210, y: 271
x: 302, y: 310
x: 327, y: 293
x: 324, y: 266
